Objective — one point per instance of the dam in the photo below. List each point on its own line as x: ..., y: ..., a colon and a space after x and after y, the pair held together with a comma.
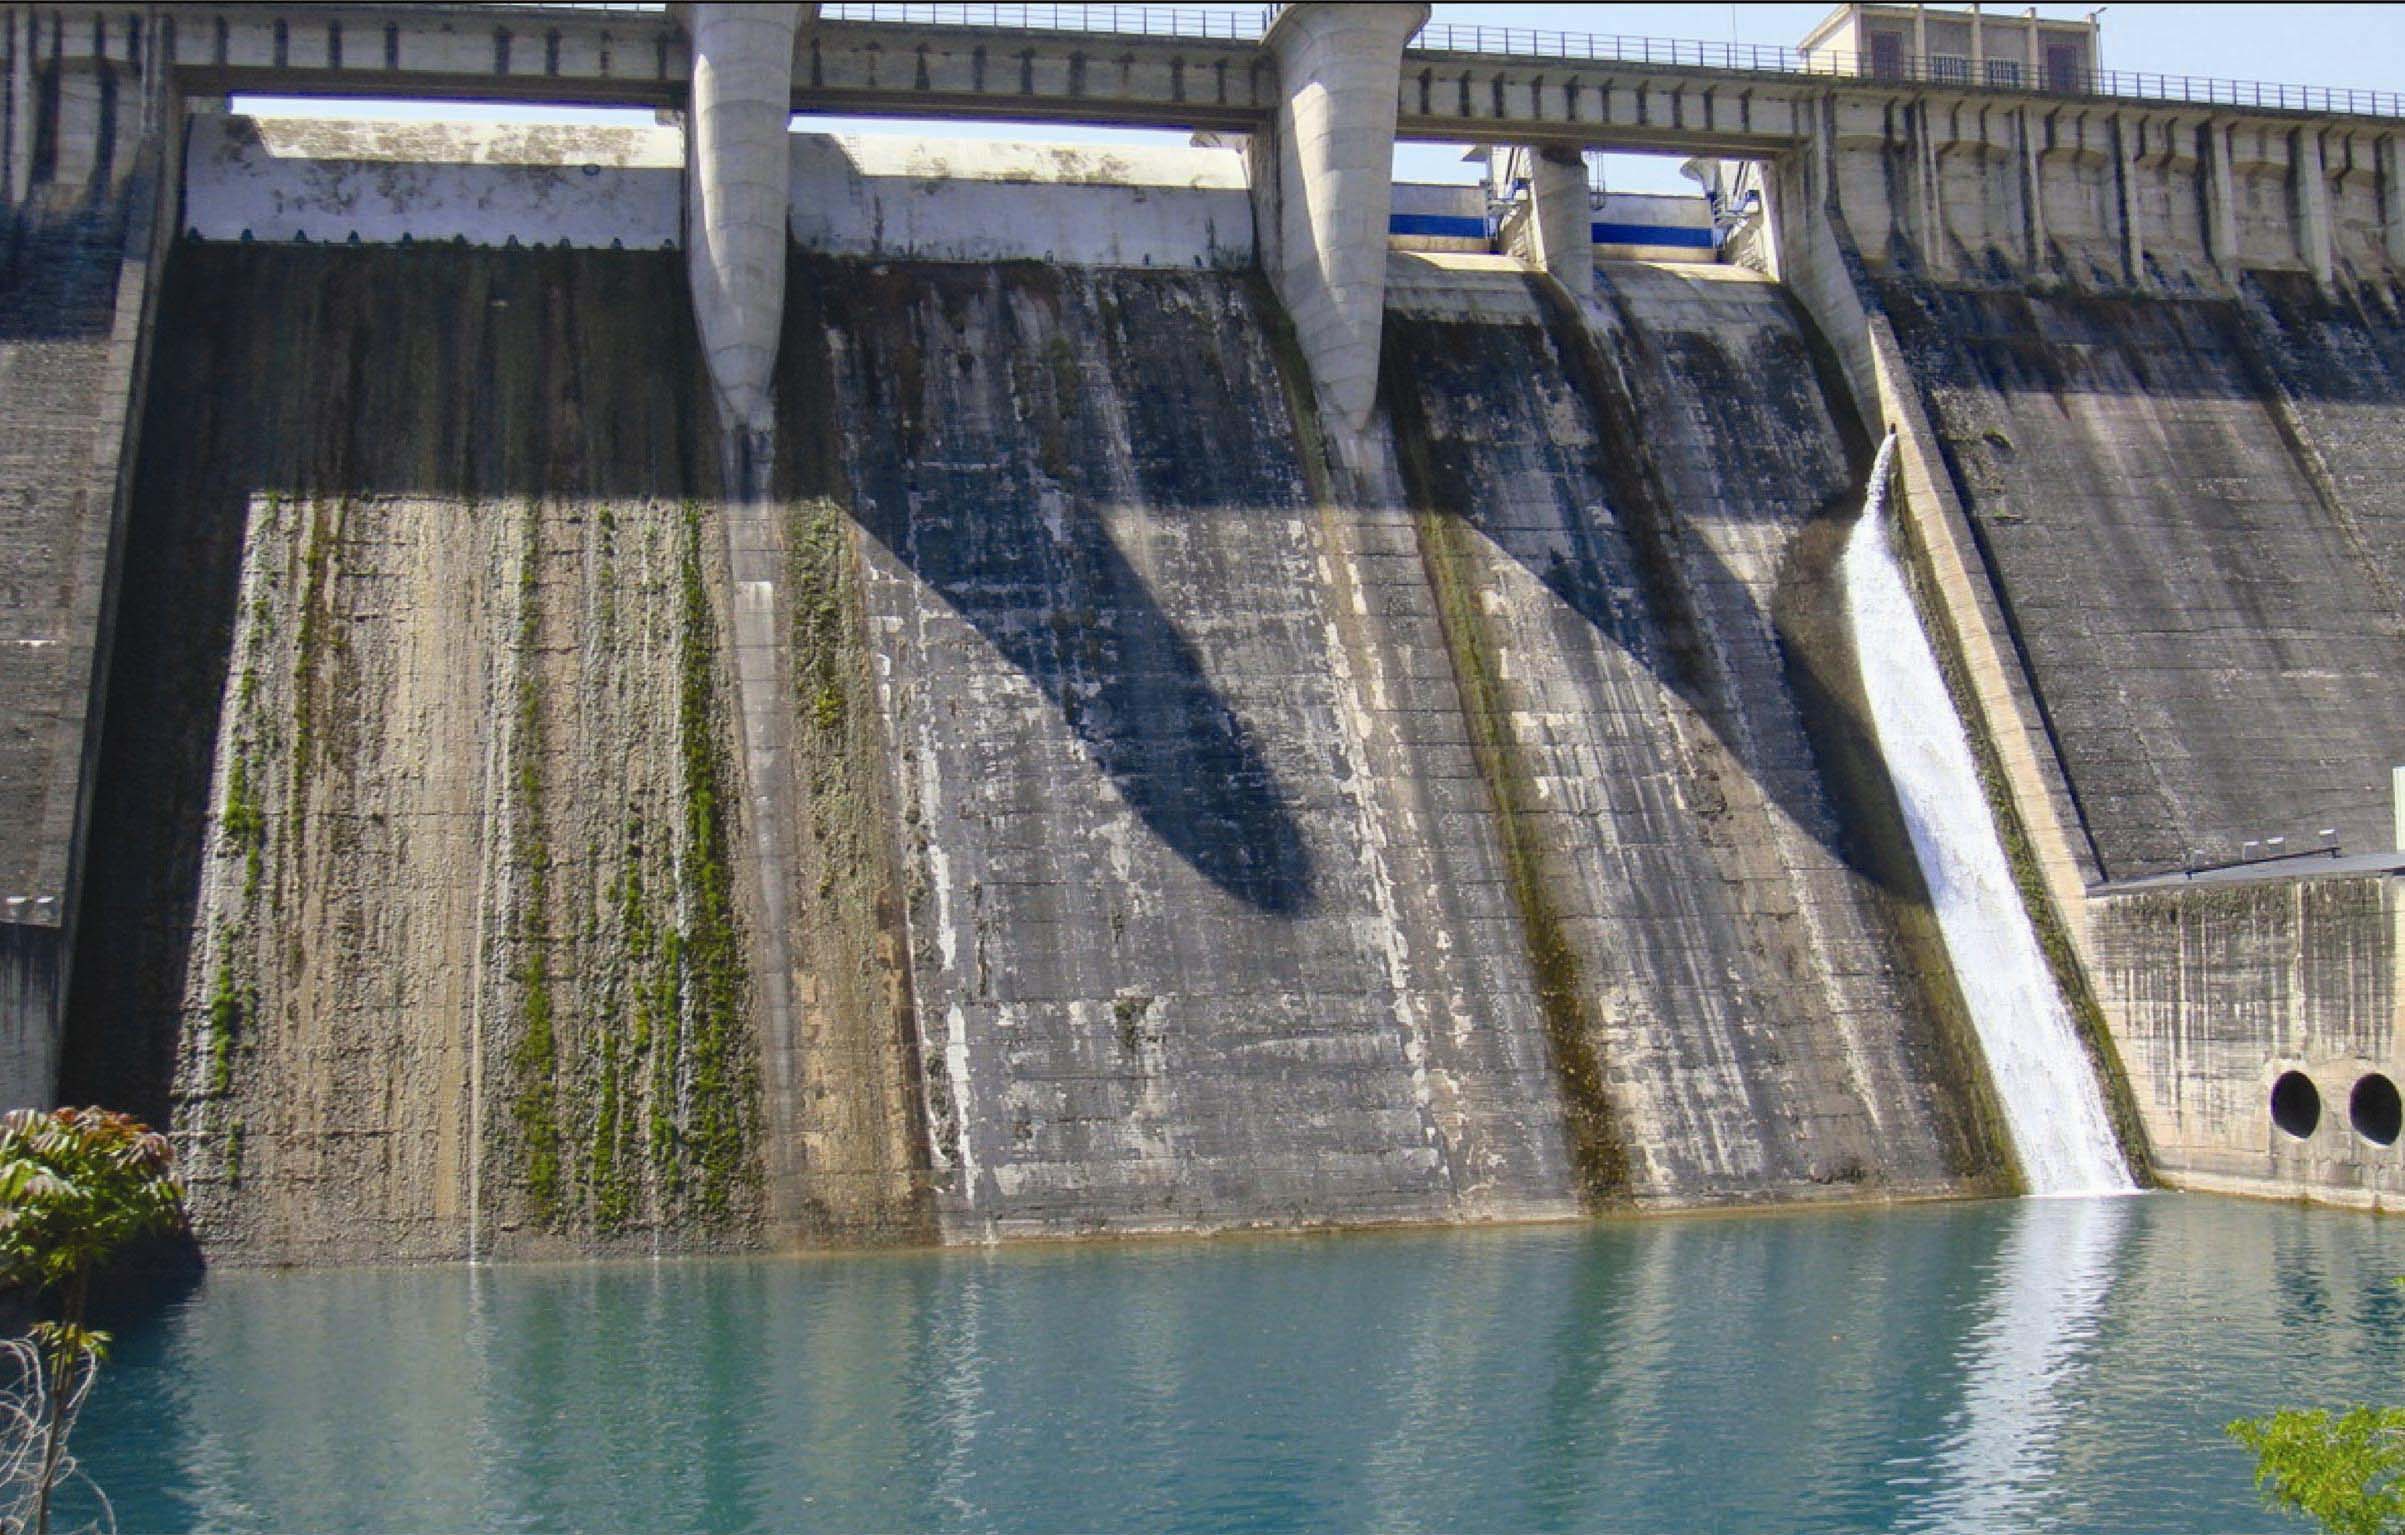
x: 573, y: 689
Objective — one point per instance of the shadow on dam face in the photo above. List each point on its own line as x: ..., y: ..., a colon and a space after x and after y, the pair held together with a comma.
x: 342, y: 375
x: 1639, y: 571
x: 995, y: 483
x: 2187, y: 509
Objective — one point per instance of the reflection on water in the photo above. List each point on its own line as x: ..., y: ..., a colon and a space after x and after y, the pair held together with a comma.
x: 2030, y: 1365
x: 2020, y: 1366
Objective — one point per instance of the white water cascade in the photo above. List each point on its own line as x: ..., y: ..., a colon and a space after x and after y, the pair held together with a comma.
x: 2052, y: 1106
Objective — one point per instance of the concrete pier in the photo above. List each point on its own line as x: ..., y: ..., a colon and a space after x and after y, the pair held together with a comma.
x: 1323, y: 188
x: 1557, y: 236
x: 740, y: 170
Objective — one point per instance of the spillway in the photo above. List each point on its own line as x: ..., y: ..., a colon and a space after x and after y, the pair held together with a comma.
x: 2060, y: 1131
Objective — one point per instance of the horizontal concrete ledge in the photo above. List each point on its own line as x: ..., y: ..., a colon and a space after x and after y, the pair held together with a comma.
x: 2313, y: 864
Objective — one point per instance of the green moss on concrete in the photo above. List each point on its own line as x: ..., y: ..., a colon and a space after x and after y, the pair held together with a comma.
x: 231, y: 1156
x: 309, y: 655
x: 1598, y: 1144
x: 612, y: 1186
x: 226, y: 1011
x: 245, y: 823
x: 724, y: 1076
x: 534, y: 1055
x: 1598, y: 1140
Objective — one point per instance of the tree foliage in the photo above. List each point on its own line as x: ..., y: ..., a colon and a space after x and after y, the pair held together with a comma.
x: 2345, y: 1470
x: 77, y: 1186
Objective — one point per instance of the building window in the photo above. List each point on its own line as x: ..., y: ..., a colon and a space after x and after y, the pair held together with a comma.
x: 2062, y: 67
x: 2005, y: 74
x: 1949, y: 69
x: 1887, y: 55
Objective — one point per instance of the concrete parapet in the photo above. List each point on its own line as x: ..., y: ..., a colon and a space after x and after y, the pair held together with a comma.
x: 1323, y: 176
x: 2109, y: 197
x: 740, y: 179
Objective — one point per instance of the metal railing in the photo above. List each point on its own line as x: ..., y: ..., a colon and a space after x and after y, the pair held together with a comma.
x: 1109, y: 20
x: 1748, y: 58
x: 1931, y: 69
x: 1531, y: 43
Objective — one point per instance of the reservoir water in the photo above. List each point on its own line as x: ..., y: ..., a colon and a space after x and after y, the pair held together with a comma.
x: 2056, y: 1365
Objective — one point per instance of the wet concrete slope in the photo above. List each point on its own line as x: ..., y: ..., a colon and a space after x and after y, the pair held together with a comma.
x: 417, y: 884
x: 2187, y: 507
x: 1629, y: 515
x: 1196, y: 936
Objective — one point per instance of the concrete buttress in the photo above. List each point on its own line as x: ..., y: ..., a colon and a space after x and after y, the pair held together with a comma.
x: 739, y: 180
x: 1561, y: 232
x: 1323, y: 178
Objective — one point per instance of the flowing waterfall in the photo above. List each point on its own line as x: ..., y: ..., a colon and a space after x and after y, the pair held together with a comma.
x: 2051, y: 1102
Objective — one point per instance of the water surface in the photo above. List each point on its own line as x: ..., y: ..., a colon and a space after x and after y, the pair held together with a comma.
x: 2032, y: 1365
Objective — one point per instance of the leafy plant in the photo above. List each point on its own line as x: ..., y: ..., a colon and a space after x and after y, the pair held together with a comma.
x: 2341, y: 1469
x: 77, y: 1186
x: 2345, y: 1470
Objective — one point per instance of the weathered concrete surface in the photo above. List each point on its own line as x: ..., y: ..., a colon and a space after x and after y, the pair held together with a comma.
x: 421, y: 843
x: 31, y: 991
x: 2217, y: 990
x: 333, y: 181
x: 1207, y: 922
x: 1323, y: 182
x: 2333, y: 367
x: 2215, y: 641
x: 1618, y: 497
x: 58, y: 304
x: 76, y: 289
x: 974, y: 200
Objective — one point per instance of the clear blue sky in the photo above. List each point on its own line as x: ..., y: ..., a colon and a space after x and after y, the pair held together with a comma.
x: 2357, y: 45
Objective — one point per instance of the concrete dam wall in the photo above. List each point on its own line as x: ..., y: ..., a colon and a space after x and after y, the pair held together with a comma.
x: 637, y: 689
x: 418, y: 829
x: 1629, y: 524
x: 1192, y: 937
x: 1168, y: 837
x: 2185, y: 505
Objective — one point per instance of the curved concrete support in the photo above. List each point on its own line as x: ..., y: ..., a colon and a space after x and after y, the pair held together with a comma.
x: 1323, y: 187
x: 739, y: 173
x: 1561, y: 224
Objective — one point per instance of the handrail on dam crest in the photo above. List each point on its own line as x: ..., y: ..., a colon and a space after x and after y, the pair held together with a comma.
x: 1102, y: 20
x: 2009, y: 75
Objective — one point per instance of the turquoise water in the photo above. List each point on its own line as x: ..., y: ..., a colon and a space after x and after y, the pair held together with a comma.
x: 2032, y: 1365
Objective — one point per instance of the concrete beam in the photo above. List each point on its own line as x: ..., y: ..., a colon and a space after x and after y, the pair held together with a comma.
x: 1323, y: 186
x: 739, y: 174
x: 2127, y: 135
